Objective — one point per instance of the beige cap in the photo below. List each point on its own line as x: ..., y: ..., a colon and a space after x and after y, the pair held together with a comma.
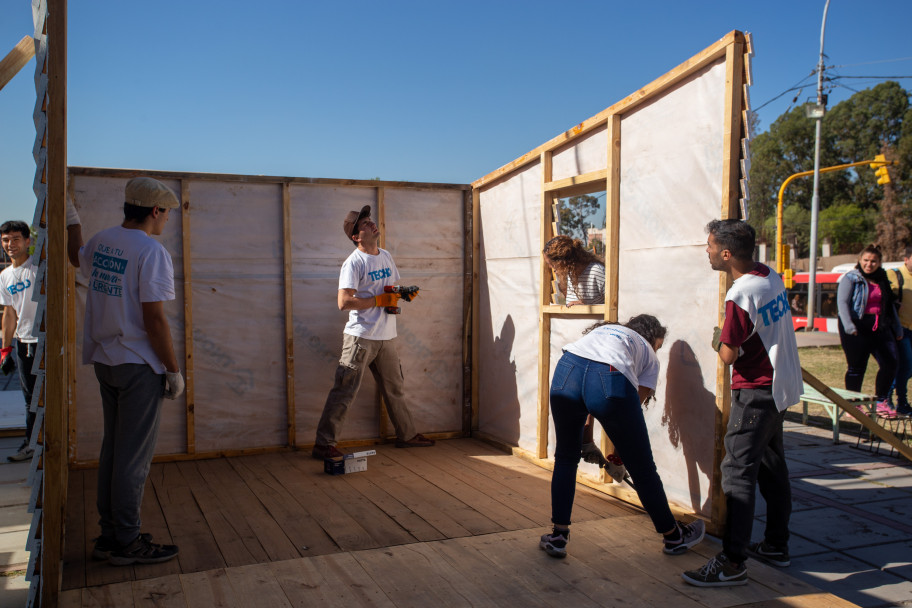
x: 148, y: 192
x: 351, y: 220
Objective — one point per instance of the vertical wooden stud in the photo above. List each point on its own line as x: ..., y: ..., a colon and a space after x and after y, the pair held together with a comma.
x: 384, y: 429
x: 189, y: 392
x: 55, y: 423
x: 544, y: 319
x: 476, y: 298
x: 289, y: 317
x: 729, y: 208
x: 468, y: 336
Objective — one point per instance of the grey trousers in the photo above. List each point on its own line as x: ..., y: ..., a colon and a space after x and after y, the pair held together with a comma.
x: 131, y: 397
x: 382, y: 358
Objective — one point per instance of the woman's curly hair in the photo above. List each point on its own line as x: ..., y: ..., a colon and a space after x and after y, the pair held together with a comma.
x: 569, y: 258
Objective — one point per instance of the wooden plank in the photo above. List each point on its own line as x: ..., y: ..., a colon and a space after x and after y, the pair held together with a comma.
x: 225, y: 483
x: 289, y: 315
x: 656, y: 87
x: 544, y: 321
x: 476, y: 299
x: 577, y: 184
x: 236, y: 541
x: 116, y: 595
x: 383, y: 430
x: 299, y: 526
x: 330, y: 579
x: 850, y: 408
x: 613, y: 218
x: 502, y: 517
x: 74, y: 553
x: 209, y: 589
x: 185, y: 522
x: 469, y: 337
x: 162, y: 592
x: 16, y: 59
x: 300, y: 480
x: 394, y: 509
x: 55, y: 421
x: 256, y: 585
x: 263, y: 179
x: 187, y: 257
x: 579, y: 309
x: 70, y: 599
x: 495, y: 501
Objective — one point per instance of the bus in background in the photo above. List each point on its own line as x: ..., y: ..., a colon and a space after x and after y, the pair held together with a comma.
x: 825, y: 311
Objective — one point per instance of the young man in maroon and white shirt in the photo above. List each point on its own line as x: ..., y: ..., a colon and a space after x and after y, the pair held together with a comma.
x: 758, y: 340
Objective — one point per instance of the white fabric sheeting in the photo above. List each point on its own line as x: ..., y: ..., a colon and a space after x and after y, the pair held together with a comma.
x: 584, y: 155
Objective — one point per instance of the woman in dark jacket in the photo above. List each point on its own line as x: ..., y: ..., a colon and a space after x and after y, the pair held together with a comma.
x: 869, y: 325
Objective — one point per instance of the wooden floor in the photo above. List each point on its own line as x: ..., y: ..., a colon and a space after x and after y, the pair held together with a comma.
x: 454, y: 525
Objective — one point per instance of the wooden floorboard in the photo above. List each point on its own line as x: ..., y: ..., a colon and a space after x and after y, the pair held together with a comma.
x: 454, y: 525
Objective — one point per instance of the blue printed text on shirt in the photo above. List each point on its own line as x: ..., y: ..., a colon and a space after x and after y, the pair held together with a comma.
x: 775, y: 310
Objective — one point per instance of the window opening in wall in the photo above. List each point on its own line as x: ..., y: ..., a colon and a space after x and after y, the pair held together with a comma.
x: 582, y: 217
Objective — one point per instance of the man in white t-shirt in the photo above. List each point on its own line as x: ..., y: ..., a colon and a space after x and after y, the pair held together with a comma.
x: 17, y: 284
x: 369, y: 339
x: 758, y: 340
x: 128, y: 340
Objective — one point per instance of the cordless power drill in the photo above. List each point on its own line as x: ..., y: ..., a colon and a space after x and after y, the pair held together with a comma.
x: 391, y: 296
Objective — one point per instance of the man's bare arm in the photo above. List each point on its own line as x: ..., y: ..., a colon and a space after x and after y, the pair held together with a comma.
x: 10, y: 320
x: 159, y: 332
x: 348, y: 300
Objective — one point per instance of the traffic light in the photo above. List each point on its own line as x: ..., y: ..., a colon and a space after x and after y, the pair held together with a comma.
x: 880, y: 165
x: 788, y: 278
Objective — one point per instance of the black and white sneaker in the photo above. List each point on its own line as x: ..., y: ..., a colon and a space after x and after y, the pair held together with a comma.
x: 718, y: 572
x: 769, y: 554
x: 24, y: 453
x: 690, y: 534
x: 142, y: 551
x: 555, y: 543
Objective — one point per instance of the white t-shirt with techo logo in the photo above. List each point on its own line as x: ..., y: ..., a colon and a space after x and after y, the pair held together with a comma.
x: 622, y: 348
x: 16, y: 287
x: 368, y: 274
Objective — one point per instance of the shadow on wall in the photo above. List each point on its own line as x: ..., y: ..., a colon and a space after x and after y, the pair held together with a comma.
x: 690, y: 409
x: 503, y: 369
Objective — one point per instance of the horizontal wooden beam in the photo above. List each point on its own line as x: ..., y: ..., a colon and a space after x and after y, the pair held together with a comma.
x: 578, y: 184
x: 694, y: 64
x: 579, y: 309
x: 258, y: 179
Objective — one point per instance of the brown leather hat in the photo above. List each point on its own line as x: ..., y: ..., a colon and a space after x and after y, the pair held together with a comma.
x: 352, y: 219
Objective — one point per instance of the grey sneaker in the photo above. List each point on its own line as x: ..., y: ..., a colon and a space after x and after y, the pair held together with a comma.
x: 718, y: 572
x: 554, y: 544
x: 142, y: 551
x: 769, y: 554
x: 24, y: 453
x: 691, y: 534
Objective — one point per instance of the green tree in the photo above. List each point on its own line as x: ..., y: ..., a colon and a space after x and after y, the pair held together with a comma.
x: 870, y: 122
x: 575, y: 215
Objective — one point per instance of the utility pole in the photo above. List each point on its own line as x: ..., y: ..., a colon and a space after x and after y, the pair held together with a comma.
x: 817, y: 113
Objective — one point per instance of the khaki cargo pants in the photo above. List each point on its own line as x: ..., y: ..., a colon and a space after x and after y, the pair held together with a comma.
x: 382, y: 358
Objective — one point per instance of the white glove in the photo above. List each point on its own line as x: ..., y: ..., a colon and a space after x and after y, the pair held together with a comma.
x: 617, y: 471
x: 174, y: 384
x: 591, y: 453
x: 72, y: 218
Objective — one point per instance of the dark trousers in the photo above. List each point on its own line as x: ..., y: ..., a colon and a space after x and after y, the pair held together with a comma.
x: 581, y: 387
x: 754, y: 455
x: 131, y: 397
x: 859, y: 348
x: 25, y: 356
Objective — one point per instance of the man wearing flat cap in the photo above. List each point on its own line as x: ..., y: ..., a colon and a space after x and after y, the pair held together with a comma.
x: 369, y: 339
x: 128, y: 340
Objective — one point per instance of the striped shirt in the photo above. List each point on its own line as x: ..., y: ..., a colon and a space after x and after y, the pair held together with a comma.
x: 591, y: 287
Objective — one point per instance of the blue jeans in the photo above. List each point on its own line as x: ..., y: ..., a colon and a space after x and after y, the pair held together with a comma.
x: 754, y: 455
x: 904, y: 369
x: 581, y: 387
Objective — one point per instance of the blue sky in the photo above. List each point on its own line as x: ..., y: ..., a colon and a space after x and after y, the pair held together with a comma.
x: 415, y: 91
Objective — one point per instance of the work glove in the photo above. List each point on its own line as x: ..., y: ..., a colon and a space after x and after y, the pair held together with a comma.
x: 387, y: 299
x: 6, y: 360
x: 407, y: 293
x: 174, y: 384
x: 72, y: 218
x: 591, y: 453
x: 616, y: 469
x: 717, y: 338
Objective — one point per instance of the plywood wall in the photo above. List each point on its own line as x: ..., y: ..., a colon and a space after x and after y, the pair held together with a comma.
x: 231, y: 307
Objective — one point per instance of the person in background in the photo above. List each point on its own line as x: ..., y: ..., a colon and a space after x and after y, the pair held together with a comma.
x: 17, y: 283
x: 609, y: 373
x: 869, y: 325
x: 901, y: 282
x: 580, y: 274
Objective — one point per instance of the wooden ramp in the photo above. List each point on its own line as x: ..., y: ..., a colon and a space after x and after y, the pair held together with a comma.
x: 454, y: 525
